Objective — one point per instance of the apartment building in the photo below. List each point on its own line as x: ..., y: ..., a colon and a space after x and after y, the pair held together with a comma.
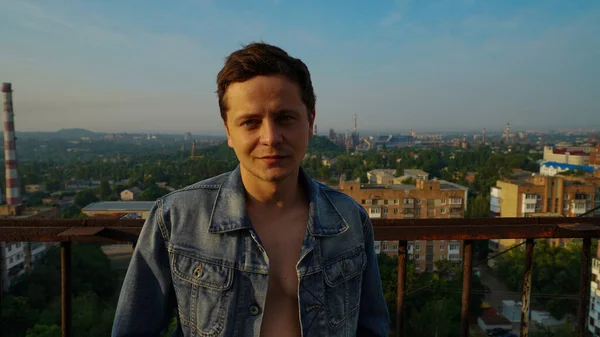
x: 595, y: 157
x: 19, y: 257
x: 427, y: 199
x: 535, y: 195
x: 575, y: 155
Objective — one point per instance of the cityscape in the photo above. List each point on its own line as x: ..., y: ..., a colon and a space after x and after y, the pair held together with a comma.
x: 480, y: 157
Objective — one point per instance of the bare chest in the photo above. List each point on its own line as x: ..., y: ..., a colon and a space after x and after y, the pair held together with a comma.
x: 282, y: 243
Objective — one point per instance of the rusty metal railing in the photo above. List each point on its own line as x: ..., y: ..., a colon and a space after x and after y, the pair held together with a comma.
x: 468, y: 230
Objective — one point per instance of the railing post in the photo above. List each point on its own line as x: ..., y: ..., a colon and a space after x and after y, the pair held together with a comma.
x: 65, y: 278
x: 400, y: 304
x: 526, y: 295
x: 584, y: 286
x: 466, y: 290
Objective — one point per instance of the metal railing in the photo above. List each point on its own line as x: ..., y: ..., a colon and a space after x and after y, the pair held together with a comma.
x: 468, y: 230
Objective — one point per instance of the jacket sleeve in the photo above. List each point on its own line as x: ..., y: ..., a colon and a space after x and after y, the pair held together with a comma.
x: 146, y: 301
x: 373, y: 317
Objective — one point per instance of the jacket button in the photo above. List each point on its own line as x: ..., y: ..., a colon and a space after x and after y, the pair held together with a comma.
x: 254, y: 310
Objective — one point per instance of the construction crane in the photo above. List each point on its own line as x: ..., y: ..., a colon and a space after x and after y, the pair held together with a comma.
x: 193, y: 156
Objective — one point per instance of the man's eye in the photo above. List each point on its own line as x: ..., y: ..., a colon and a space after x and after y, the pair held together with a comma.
x: 248, y: 123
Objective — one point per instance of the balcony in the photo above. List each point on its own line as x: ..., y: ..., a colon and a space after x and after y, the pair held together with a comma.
x: 578, y: 206
x: 454, y: 202
x: 469, y: 230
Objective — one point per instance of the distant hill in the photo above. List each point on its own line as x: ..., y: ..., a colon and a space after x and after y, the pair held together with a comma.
x: 76, y: 133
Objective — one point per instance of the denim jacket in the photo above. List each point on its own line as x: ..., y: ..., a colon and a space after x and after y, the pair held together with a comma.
x: 198, y: 253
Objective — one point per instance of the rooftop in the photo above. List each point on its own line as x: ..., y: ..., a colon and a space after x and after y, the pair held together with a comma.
x: 411, y: 172
x: 120, y: 206
x: 573, y: 167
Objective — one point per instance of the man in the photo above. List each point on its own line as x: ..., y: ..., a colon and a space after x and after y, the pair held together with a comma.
x: 263, y: 250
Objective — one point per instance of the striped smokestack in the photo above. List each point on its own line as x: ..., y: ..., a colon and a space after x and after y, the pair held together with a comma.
x: 13, y: 190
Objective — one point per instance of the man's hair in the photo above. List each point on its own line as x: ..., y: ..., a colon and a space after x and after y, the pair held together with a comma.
x: 262, y: 59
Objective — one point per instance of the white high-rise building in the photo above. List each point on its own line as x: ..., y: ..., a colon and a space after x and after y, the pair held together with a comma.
x: 594, y: 313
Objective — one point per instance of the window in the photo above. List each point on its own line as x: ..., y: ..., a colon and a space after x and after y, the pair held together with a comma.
x: 530, y: 206
x: 10, y: 260
x: 385, y: 201
x: 395, y: 211
x: 408, y: 201
x: 453, y: 257
x: 566, y: 207
x: 453, y: 246
x: 456, y: 201
x: 362, y: 201
x: 417, y: 257
x: 418, y: 201
x: 443, y: 201
x: 530, y: 196
x: 417, y: 211
x: 566, y: 197
x: 539, y: 197
x: 396, y: 201
x: 442, y: 247
x: 417, y: 267
x: 385, y: 211
x: 375, y: 211
x: 368, y: 201
x: 417, y: 248
x: 441, y: 256
x: 443, y: 211
x: 431, y: 212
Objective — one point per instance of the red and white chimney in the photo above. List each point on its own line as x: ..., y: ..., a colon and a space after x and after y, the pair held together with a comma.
x: 13, y: 189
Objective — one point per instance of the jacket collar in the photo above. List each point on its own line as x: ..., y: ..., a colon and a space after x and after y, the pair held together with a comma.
x: 229, y: 211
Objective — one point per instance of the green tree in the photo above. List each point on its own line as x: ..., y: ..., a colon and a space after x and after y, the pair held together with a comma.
x: 35, y: 199
x: 72, y: 212
x: 105, y: 190
x: 85, y: 197
x: 556, y: 270
x: 565, y: 330
x: 44, y: 331
x: 152, y: 193
x: 434, y: 319
x: 17, y: 316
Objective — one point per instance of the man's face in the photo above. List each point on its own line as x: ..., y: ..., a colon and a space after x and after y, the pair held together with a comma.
x: 268, y: 126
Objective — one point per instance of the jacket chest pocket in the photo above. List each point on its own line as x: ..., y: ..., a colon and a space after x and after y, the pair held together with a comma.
x: 203, y: 289
x: 343, y: 278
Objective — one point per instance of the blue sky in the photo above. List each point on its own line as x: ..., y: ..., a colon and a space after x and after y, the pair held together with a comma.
x: 444, y: 65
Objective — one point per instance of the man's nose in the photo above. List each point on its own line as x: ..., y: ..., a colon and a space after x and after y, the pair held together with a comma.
x: 271, y: 133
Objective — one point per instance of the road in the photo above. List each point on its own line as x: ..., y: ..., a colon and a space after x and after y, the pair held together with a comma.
x: 498, y: 293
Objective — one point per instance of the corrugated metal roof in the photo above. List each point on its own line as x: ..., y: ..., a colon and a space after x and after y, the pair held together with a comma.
x: 120, y: 206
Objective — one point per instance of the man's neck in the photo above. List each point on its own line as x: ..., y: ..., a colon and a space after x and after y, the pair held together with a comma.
x: 279, y: 195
